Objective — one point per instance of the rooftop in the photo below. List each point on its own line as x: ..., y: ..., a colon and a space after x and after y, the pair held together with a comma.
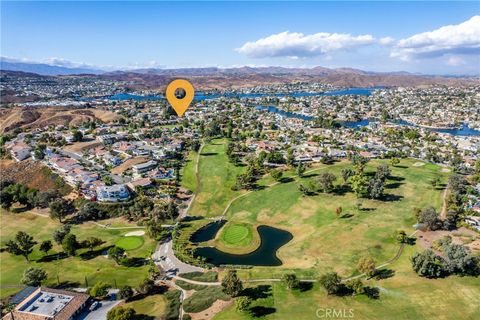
x: 46, y: 303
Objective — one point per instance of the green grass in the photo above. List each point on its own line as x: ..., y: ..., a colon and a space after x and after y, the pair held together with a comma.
x: 403, y: 296
x: 203, y: 299
x: 130, y: 243
x: 152, y: 306
x: 237, y: 238
x: 322, y: 241
x: 209, y: 276
x: 188, y: 172
x: 71, y: 269
x: 189, y: 286
x: 217, y: 176
x: 237, y: 234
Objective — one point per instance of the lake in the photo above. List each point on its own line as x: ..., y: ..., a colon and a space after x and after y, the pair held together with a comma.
x: 271, y: 239
x: 200, y: 96
x: 464, y: 130
x: 207, y: 232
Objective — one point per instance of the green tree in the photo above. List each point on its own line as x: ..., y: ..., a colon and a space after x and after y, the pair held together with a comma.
x: 383, y: 172
x: 99, y: 290
x: 60, y: 208
x: 359, y: 184
x: 290, y: 157
x: 428, y: 264
x: 243, y: 303
x: 195, y: 145
x: 34, y: 277
x: 367, y: 265
x: 125, y: 292
x: 331, y: 282
x: 231, y: 284
x: 356, y: 286
x: 300, y: 169
x: 6, y: 199
x: 376, y: 187
x: 401, y: 236
x: 291, y: 281
x: 429, y: 217
x: 121, y: 313
x: 394, y: 162
x: 44, y: 198
x: 46, y: 246
x: 116, y: 254
x: 77, y: 136
x: 89, y: 211
x: 22, y: 245
x: 146, y: 286
x: 346, y: 174
x: 70, y: 244
x: 276, y: 174
x: 435, y: 182
x: 92, y: 242
x: 59, y: 234
x: 325, y: 181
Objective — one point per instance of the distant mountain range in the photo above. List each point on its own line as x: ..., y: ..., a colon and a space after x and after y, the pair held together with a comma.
x: 219, y: 78
x: 44, y: 69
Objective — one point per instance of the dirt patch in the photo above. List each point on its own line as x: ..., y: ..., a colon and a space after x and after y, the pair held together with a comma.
x: 135, y: 233
x: 419, y: 164
x: 32, y: 174
x: 209, y: 313
x: 128, y: 164
x: 461, y: 236
x: 39, y: 117
x: 445, y: 170
x: 79, y: 147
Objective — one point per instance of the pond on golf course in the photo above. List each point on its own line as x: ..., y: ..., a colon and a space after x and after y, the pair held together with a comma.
x: 271, y: 239
x: 207, y: 232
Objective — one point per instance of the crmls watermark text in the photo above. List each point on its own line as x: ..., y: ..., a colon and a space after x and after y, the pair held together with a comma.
x: 332, y: 313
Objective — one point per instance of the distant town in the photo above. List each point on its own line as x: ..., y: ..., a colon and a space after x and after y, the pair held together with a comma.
x: 80, y: 149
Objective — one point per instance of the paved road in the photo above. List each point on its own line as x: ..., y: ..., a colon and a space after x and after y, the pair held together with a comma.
x: 164, y: 256
x: 99, y: 313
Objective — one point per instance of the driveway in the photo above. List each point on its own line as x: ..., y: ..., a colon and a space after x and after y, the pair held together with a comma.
x: 164, y: 256
x: 99, y: 313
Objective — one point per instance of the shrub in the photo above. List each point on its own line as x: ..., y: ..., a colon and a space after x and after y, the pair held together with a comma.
x: 204, y: 299
x: 99, y: 290
x: 173, y: 306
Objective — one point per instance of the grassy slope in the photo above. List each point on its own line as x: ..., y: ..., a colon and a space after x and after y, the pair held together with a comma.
x: 72, y: 269
x: 324, y: 242
x: 217, y: 178
x: 153, y: 306
x: 404, y: 296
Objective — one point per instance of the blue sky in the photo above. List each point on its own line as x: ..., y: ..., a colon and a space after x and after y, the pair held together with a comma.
x: 377, y: 36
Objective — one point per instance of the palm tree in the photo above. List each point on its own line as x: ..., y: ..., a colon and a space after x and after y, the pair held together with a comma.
x: 9, y: 308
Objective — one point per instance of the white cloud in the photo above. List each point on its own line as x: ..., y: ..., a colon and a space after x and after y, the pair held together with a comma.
x: 298, y: 45
x: 463, y: 38
x: 386, y: 41
x: 456, y: 61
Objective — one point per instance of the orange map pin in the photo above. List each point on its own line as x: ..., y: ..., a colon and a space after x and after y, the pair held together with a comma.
x: 180, y: 94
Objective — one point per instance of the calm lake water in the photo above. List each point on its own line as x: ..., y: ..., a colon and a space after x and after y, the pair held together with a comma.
x: 207, y: 232
x: 199, y: 96
x: 265, y: 255
x: 464, y: 130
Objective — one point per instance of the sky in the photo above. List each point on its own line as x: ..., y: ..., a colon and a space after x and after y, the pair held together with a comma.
x: 421, y: 37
